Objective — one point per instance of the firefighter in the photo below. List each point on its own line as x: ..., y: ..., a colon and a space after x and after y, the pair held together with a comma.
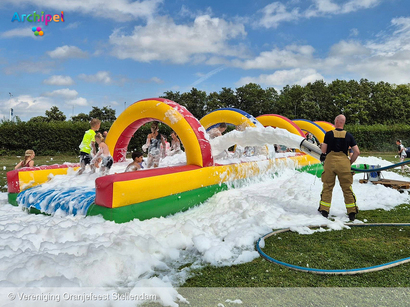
x: 335, y: 155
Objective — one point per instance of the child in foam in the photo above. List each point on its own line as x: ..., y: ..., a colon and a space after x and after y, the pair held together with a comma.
x: 153, y: 144
x: 217, y: 131
x: 104, y: 153
x: 87, y: 145
x: 28, y: 159
x: 136, y: 165
x: 175, y: 145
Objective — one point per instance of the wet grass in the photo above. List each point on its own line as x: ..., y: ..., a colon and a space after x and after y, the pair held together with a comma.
x: 342, y: 249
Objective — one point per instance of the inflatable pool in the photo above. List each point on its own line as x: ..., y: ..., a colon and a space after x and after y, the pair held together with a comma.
x: 162, y: 191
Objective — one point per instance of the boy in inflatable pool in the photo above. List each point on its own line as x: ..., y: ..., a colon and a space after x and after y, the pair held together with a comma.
x: 104, y: 153
x: 87, y: 145
x: 137, y: 158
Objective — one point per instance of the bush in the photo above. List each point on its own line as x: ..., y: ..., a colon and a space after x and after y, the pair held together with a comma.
x: 380, y: 137
x: 53, y: 138
x: 44, y: 138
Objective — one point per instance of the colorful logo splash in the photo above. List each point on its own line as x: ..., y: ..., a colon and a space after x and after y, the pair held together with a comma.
x: 47, y: 18
x: 37, y: 31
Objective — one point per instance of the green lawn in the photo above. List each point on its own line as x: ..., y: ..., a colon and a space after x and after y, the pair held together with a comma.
x: 342, y: 249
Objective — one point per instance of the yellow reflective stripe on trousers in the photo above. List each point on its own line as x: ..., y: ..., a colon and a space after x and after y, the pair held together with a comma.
x: 324, y: 204
x: 354, y: 197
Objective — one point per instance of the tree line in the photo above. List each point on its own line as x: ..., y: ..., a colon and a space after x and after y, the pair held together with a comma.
x: 105, y: 114
x: 377, y: 114
x: 362, y: 102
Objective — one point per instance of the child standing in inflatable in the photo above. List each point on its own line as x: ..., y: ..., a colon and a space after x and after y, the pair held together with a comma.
x: 154, y: 141
x: 175, y: 145
x: 28, y: 159
x: 401, y: 150
x: 104, y: 153
x: 87, y: 145
x: 136, y: 165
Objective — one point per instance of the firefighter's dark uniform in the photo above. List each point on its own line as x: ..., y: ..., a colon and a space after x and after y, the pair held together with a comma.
x: 337, y: 164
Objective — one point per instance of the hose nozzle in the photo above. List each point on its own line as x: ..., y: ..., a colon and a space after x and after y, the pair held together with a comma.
x: 310, y: 149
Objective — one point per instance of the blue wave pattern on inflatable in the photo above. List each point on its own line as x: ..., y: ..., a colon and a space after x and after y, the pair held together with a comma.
x: 69, y: 200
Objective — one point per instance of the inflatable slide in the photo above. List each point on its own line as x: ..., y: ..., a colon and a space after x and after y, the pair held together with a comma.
x: 157, y: 192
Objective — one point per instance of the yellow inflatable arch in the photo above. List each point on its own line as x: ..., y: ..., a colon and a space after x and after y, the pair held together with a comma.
x: 229, y: 115
x: 188, y: 128
x: 325, y: 125
x: 311, y: 127
x: 279, y: 121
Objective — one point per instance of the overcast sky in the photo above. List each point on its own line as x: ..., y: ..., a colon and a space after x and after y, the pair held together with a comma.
x: 113, y: 53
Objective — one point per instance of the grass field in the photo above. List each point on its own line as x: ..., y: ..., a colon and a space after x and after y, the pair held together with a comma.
x: 342, y: 249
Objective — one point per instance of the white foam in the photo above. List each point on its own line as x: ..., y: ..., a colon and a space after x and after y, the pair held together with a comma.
x: 255, y: 136
x: 221, y: 232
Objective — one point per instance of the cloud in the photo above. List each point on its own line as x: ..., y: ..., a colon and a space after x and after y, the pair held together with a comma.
x: 275, y: 13
x: 99, y: 77
x: 23, y: 32
x: 66, y: 52
x: 163, y: 40
x: 63, y: 93
x: 390, y: 43
x: 25, y: 106
x: 156, y: 80
x: 69, y: 97
x: 72, y: 25
x: 31, y: 67
x: 384, y: 58
x: 119, y: 10
x: 80, y: 101
x: 152, y: 80
x: 59, y: 80
x: 283, y: 77
x: 355, y: 5
x: 349, y: 48
x: 290, y: 56
x: 354, y: 32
